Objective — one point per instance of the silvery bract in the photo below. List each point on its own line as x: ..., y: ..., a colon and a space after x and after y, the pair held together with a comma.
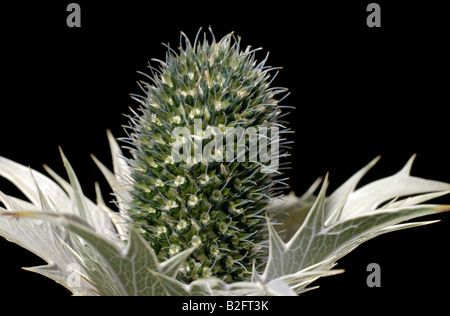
x: 194, y: 220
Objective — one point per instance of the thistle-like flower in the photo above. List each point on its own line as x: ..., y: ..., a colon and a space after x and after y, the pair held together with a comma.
x: 200, y: 194
x: 213, y: 101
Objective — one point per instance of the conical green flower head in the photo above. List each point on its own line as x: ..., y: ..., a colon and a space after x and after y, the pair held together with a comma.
x: 185, y: 198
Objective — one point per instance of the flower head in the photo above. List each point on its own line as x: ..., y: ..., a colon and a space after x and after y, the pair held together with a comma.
x: 206, y: 84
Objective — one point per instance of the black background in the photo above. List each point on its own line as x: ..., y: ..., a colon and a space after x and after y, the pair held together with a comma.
x: 359, y: 92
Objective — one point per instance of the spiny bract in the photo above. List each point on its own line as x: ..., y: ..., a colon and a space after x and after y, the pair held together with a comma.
x: 215, y: 206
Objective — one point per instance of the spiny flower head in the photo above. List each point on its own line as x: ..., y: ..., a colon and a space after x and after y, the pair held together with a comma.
x: 208, y: 91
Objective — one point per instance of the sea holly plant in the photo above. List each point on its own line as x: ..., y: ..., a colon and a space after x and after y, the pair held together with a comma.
x: 199, y: 198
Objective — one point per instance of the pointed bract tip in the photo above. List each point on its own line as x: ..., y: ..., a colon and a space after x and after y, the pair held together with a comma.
x: 19, y: 214
x: 62, y: 153
x: 109, y: 133
x: 407, y: 168
x: 413, y: 157
x: 442, y: 208
x: 63, y: 157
